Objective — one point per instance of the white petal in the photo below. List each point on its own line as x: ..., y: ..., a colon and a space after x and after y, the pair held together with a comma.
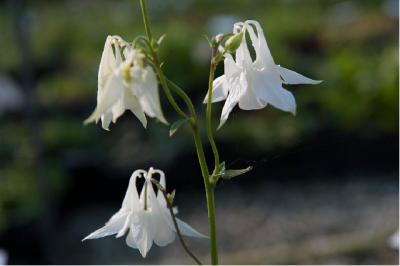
x: 292, y: 77
x: 231, y: 69
x: 269, y: 89
x: 243, y: 57
x: 106, y: 67
x: 237, y: 27
x: 249, y: 101
x: 220, y: 90
x: 118, y: 57
x: 120, y: 221
x: 106, y: 119
x: 263, y: 54
x: 160, y: 196
x: 161, y: 199
x: 235, y: 93
x: 119, y: 107
x: 130, y: 240
x: 113, y: 226
x: 154, y: 203
x: 165, y: 231
x: 131, y: 199
x: 112, y: 93
x: 127, y: 51
x: 132, y: 103
x: 187, y: 230
x: 143, y: 230
x: 125, y: 227
x: 147, y: 93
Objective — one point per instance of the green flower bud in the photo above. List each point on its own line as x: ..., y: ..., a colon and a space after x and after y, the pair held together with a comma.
x: 234, y: 42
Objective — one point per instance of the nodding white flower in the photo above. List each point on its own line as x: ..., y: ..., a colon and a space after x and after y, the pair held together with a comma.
x: 125, y: 83
x: 254, y: 84
x: 147, y: 217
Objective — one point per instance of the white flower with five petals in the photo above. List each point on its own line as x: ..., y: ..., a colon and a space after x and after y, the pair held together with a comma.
x: 254, y: 84
x: 146, y: 217
x: 125, y: 83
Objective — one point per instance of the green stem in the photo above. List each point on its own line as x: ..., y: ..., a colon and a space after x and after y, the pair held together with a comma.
x: 146, y: 19
x: 178, y: 231
x: 184, y: 97
x: 166, y: 89
x: 157, y: 65
x: 209, y: 112
x: 212, y: 224
x: 209, y: 187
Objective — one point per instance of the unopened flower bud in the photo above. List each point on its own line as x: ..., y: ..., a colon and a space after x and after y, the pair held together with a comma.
x: 219, y: 37
x: 234, y: 42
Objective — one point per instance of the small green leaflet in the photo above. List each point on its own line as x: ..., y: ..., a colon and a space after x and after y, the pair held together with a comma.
x: 228, y: 174
x: 232, y: 173
x: 161, y: 39
x: 171, y: 196
x: 221, y: 167
x: 176, y: 125
x: 208, y: 39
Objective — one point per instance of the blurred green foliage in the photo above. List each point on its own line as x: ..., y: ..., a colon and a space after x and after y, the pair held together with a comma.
x: 351, y: 45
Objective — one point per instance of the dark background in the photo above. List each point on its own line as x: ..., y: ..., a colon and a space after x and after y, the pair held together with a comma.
x: 325, y: 185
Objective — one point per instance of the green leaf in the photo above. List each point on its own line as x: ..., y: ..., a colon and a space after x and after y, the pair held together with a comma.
x: 208, y: 39
x: 161, y: 39
x: 176, y: 125
x: 221, y: 168
x: 222, y: 172
x: 171, y: 196
x: 233, y: 173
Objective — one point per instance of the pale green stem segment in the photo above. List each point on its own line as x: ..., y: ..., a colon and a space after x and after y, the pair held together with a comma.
x: 214, y: 148
x: 165, y: 87
x: 178, y: 231
x: 184, y: 97
x: 146, y: 19
x: 158, y: 68
x: 209, y: 187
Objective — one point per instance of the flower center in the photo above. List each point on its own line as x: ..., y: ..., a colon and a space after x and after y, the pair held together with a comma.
x: 126, y: 73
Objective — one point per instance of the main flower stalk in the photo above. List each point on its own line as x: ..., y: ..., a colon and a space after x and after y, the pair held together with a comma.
x: 209, y: 186
x: 213, y: 66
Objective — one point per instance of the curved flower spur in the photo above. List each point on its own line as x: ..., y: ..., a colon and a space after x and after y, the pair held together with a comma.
x: 146, y: 217
x: 254, y: 84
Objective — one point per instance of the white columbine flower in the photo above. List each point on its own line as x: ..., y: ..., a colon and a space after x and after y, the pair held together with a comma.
x: 147, y: 218
x: 254, y: 84
x: 125, y: 82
